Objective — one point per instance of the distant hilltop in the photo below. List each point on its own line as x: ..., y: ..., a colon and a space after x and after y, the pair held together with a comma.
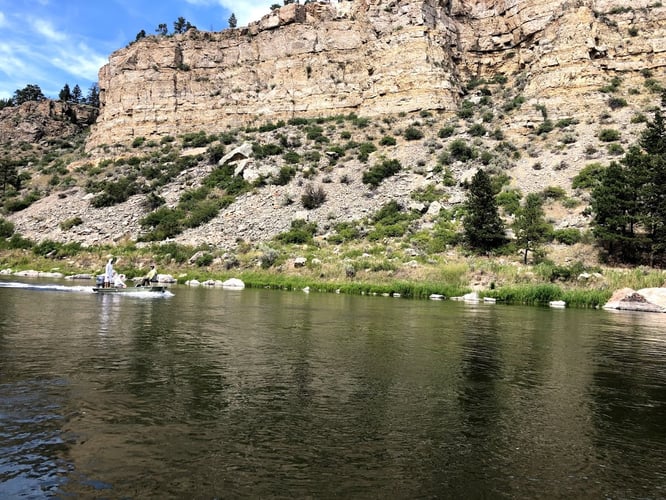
x: 376, y: 58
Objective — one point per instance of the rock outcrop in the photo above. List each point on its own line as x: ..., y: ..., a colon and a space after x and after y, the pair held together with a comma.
x: 36, y: 121
x: 645, y: 300
x: 374, y: 58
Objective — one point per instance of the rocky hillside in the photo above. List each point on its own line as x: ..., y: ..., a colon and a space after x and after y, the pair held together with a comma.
x: 313, y: 97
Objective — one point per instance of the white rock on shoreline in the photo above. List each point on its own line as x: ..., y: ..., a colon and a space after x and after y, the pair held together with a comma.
x: 645, y: 300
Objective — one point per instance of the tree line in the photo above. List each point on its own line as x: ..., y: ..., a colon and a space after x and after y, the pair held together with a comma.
x: 33, y: 92
x: 628, y: 208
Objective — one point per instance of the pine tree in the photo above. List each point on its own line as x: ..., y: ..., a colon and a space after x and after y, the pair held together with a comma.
x: 530, y: 225
x: 615, y: 207
x: 76, y: 94
x: 483, y: 227
x: 30, y: 92
x: 92, y: 99
x: 232, y: 21
x: 65, y: 94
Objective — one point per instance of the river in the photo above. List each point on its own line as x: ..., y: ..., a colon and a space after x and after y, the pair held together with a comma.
x: 210, y: 393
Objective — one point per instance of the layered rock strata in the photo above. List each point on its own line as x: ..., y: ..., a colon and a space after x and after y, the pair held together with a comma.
x: 373, y: 58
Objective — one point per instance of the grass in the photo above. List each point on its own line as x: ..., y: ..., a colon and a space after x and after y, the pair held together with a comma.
x: 379, y: 270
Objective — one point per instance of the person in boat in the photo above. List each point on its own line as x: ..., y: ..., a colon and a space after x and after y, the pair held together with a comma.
x: 108, y: 273
x: 119, y: 280
x: 149, y: 277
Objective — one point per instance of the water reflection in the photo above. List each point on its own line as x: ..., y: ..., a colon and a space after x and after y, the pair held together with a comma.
x: 33, y: 448
x: 268, y: 394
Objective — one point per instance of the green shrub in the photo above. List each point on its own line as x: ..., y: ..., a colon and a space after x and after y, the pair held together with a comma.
x: 215, y: 153
x: 388, y: 140
x: 446, y: 132
x: 466, y: 110
x: 509, y: 200
x: 18, y: 204
x: 264, y: 150
x: 224, y: 178
x: 57, y: 250
x: 477, y: 130
x: 364, y: 150
x: 163, y: 223
x: 138, y: 142
x: 545, y: 127
x: 460, y: 151
x: 285, y: 175
x: 653, y: 85
x: 376, y: 174
x: 197, y: 139
x: 615, y: 149
x: 609, y: 135
x: 554, y: 193
x: 617, y: 102
x: 301, y: 232
x: 268, y: 258
x: 568, y: 236
x: 203, y: 260
x: 116, y: 192
x: 413, y: 133
x: 513, y: 104
x: 344, y: 231
x: 6, y: 228
x: 565, y: 122
x: 427, y: 194
x: 165, y: 253
x: 313, y: 197
x: 70, y: 223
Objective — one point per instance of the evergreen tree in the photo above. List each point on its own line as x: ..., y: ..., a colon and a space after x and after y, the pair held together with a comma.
x: 141, y: 34
x: 483, y: 227
x: 629, y: 204
x: 615, y: 207
x: 65, y: 94
x: 162, y: 29
x: 181, y: 25
x: 530, y: 225
x: 30, y: 92
x: 232, y: 21
x: 76, y: 94
x: 92, y: 99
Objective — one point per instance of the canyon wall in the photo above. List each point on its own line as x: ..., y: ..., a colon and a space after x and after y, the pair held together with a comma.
x: 373, y: 58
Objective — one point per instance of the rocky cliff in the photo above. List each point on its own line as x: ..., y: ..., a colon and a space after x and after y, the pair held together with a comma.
x: 374, y: 58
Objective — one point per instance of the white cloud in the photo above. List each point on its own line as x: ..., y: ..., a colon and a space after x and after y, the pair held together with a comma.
x: 245, y: 12
x: 46, y: 29
x: 79, y: 61
x: 3, y: 20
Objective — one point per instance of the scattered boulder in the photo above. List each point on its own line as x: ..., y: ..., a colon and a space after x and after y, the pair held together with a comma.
x: 645, y: 300
x: 233, y: 283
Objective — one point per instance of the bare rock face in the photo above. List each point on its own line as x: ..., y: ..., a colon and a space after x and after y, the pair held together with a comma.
x: 367, y: 57
x: 645, y: 300
x: 34, y: 121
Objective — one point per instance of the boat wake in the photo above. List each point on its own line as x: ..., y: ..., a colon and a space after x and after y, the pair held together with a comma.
x: 47, y: 288
x: 81, y: 289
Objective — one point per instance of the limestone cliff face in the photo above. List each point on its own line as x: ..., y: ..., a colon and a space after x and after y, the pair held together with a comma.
x: 373, y: 58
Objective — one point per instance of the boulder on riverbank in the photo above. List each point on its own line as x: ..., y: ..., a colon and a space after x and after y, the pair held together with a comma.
x: 645, y: 300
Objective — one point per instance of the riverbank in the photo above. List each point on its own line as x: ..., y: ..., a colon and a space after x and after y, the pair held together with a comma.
x: 376, y: 270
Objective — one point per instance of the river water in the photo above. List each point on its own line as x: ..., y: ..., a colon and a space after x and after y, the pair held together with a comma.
x: 210, y: 393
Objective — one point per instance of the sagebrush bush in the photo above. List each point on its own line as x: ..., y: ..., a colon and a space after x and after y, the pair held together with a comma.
x: 376, y: 174
x: 313, y: 197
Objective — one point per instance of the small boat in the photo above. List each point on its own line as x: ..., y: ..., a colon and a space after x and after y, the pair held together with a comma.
x: 130, y: 289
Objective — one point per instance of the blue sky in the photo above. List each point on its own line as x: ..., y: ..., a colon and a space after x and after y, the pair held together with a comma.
x: 53, y: 42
